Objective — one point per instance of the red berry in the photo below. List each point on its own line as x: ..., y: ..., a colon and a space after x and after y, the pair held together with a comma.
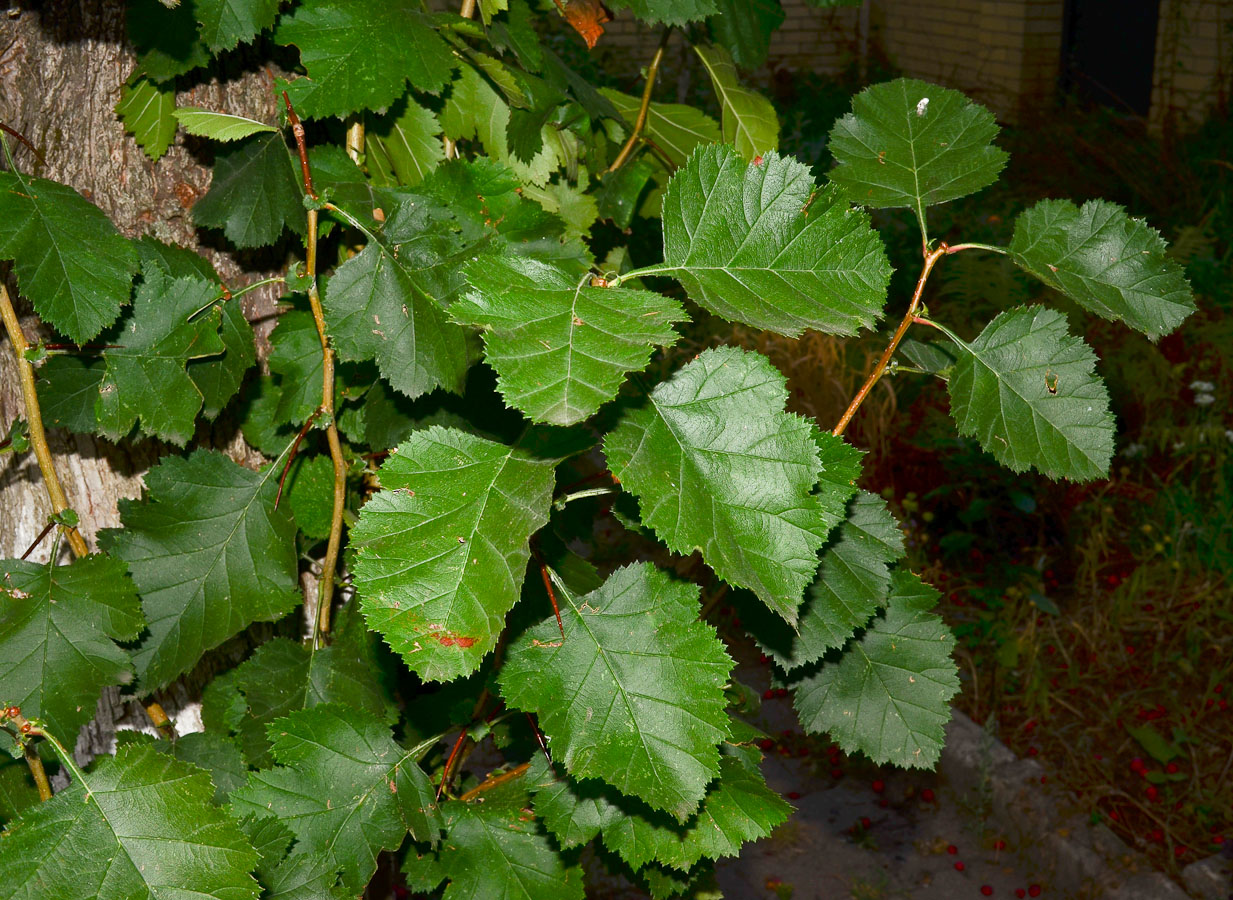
x: 1152, y: 793
x: 927, y: 795
x: 766, y: 744
x: 1020, y: 892
x: 1034, y: 890
x: 768, y: 694
x: 1179, y: 851
x: 865, y: 822
x: 1032, y: 751
x: 1136, y: 765
x: 1044, y: 778
x: 763, y: 658
x: 836, y: 773
x: 878, y: 786
x: 952, y: 849
x: 987, y: 890
x: 804, y: 751
x: 1219, y: 689
x: 999, y: 844
x: 781, y: 692
x: 1156, y: 835
x: 1171, y: 768
x: 959, y: 866
x: 1218, y: 839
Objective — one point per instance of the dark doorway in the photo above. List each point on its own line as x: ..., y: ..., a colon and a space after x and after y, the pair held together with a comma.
x: 1108, y: 51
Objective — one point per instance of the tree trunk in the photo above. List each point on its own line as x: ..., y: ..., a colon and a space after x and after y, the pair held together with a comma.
x: 62, y: 65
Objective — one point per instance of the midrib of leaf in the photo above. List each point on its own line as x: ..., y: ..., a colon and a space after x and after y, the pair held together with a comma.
x: 727, y: 101
x: 383, y: 781
x: 59, y: 257
x: 513, y: 865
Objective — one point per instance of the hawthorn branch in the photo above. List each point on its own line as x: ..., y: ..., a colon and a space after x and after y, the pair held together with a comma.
x: 34, y: 418
x: 38, y: 772
x: 909, y: 317
x: 467, y: 10
x: 645, y: 107
x: 325, y: 590
x: 493, y: 781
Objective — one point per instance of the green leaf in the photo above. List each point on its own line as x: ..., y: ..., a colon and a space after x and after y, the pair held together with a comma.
x: 378, y: 305
x: 1105, y: 261
x: 747, y: 118
x: 763, y: 245
x: 561, y: 348
x: 296, y: 357
x: 633, y: 694
x: 209, y: 555
x: 1026, y: 390
x: 745, y: 28
x: 165, y: 39
x: 888, y: 695
x: 674, y: 127
x: 214, y: 753
x: 57, y: 628
x: 854, y: 580
x: 360, y: 54
x: 618, y: 199
x: 304, y: 877
x: 67, y: 389
x: 909, y: 143
x: 145, y: 381
x: 575, y: 812
x: 284, y: 676
x: 442, y: 550
x: 718, y: 466
x: 738, y: 807
x: 147, y: 111
x: 146, y: 828
x: 345, y: 788
x: 219, y: 379
x: 226, y: 23
x: 17, y: 790
x: 495, y: 849
x: 404, y: 146
x: 310, y: 491
x: 218, y: 126
x: 255, y: 191
x: 669, y: 12
x: 1157, y: 745
x: 70, y: 261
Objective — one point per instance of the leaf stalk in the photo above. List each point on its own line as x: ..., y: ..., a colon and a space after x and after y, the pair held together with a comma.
x: 644, y: 108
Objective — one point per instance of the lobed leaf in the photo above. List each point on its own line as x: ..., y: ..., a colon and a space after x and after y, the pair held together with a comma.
x: 148, y: 113
x: 761, y: 244
x: 718, y: 466
x: 58, y: 625
x: 345, y: 789
x: 360, y: 54
x: 227, y: 23
x: 143, y: 826
x: 403, y: 146
x: 442, y: 549
x: 745, y: 27
x: 633, y: 694
x: 70, y: 261
x: 668, y: 12
x: 888, y: 695
x: 910, y: 143
x: 1105, y: 261
x: 1026, y: 390
x: 255, y: 191
x: 209, y: 554
x: 561, y: 347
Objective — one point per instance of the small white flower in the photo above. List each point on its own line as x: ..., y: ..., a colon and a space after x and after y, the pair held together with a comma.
x: 1133, y: 450
x: 923, y: 106
x: 1202, y: 387
x: 1204, y: 399
x: 1228, y: 434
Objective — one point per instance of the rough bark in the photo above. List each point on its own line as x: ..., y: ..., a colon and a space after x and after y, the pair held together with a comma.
x: 62, y: 64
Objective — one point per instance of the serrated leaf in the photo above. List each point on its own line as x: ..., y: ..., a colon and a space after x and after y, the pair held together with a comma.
x: 145, y: 380
x: 344, y: 787
x: 403, y: 146
x: 284, y: 676
x: 853, y: 581
x: 360, y: 54
x: 668, y: 12
x: 270, y: 838
x: 378, y: 305
x: 70, y: 261
x: 747, y: 119
x: 165, y: 39
x: 745, y: 28
x: 209, y: 554
x: 496, y: 849
x: 739, y: 807
x: 618, y: 199
x: 718, y: 466
x: 674, y: 127
x: 763, y: 245
x: 561, y: 348
x: 310, y: 491
x: 934, y: 357
x: 575, y: 812
x: 1026, y: 390
x: 888, y: 695
x: 67, y: 389
x: 214, y: 753
x: 219, y: 379
x: 296, y: 357
x: 304, y: 877
x: 146, y: 829
x: 147, y: 111
x: 442, y: 550
x: 57, y: 628
x: 910, y: 143
x: 17, y: 790
x: 1105, y: 261
x: 218, y: 126
x: 226, y: 23
x: 255, y: 191
x: 633, y: 694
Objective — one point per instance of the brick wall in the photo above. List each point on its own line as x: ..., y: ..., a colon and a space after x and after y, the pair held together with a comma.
x: 1194, y: 58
